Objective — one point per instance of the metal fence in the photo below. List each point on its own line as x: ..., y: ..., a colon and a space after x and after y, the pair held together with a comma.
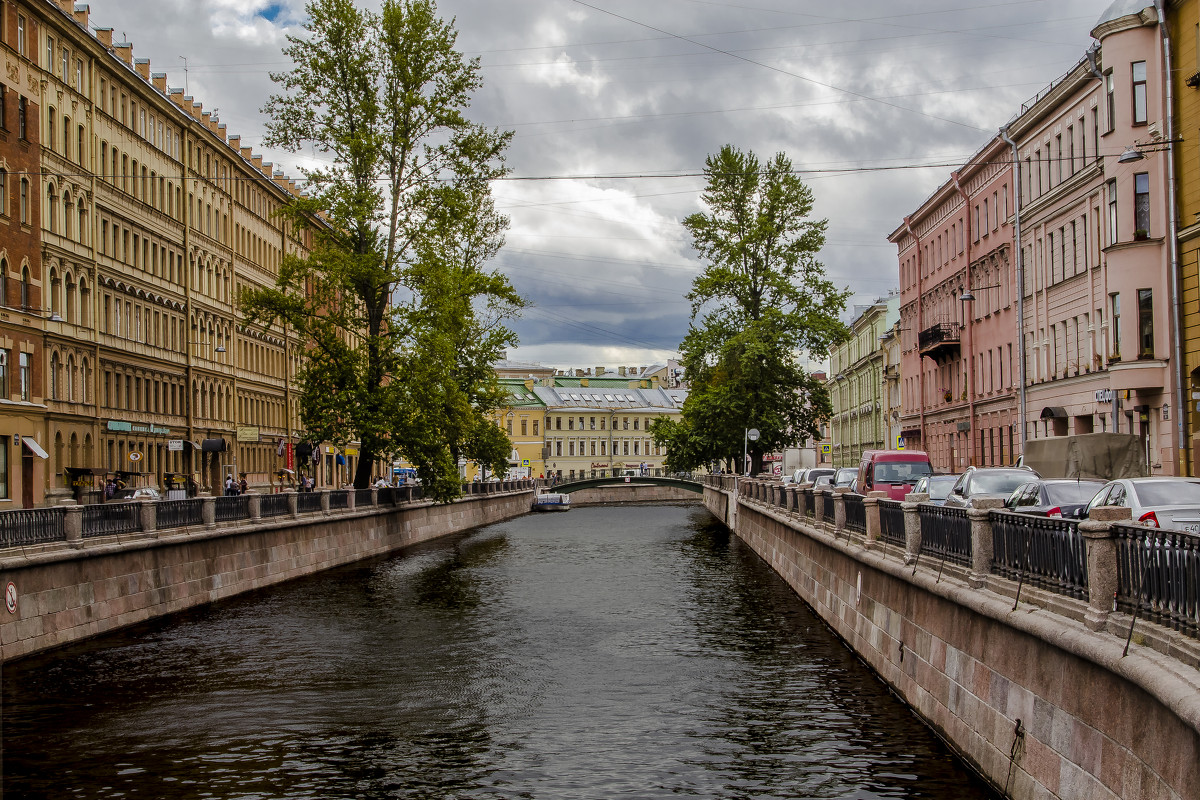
x: 339, y: 499
x: 308, y: 501
x: 856, y: 513
x: 946, y: 533
x: 827, y: 510
x: 232, y: 508
x: 1044, y: 552
x: 362, y: 497
x: 891, y: 522
x: 179, y: 513
x: 106, y: 519
x: 31, y: 526
x: 1158, y: 573
x: 807, y: 504
x: 274, y: 505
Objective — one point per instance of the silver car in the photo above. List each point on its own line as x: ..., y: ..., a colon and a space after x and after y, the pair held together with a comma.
x: 1157, y: 502
x: 990, y: 481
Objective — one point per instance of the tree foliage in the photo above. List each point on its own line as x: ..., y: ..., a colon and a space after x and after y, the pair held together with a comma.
x: 762, y: 300
x: 398, y: 317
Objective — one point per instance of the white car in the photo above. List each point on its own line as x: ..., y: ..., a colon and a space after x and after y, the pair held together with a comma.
x: 1157, y: 502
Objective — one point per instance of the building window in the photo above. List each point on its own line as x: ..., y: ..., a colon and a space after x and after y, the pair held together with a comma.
x: 1111, y: 106
x: 535, y: 427
x: 1112, y: 211
x: 1139, y: 92
x: 1115, y: 318
x: 21, y: 34
x: 21, y: 107
x: 524, y: 427
x: 1145, y: 323
x: 4, y: 495
x: 4, y: 374
x: 25, y: 366
x: 508, y: 427
x: 1141, y: 204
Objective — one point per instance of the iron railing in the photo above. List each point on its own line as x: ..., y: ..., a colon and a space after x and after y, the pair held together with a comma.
x: 808, y: 505
x: 827, y: 510
x: 179, y: 513
x: 1158, y: 574
x: 308, y: 501
x: 856, y: 512
x: 946, y: 533
x: 339, y: 499
x: 1045, y: 552
x: 891, y: 522
x: 388, y: 496
x: 362, y: 498
x: 106, y: 519
x: 31, y: 526
x: 274, y: 505
x: 231, y: 508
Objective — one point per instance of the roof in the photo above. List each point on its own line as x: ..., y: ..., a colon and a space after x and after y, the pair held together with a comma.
x: 1122, y: 8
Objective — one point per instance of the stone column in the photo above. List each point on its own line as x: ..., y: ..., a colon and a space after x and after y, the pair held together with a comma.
x: 374, y: 496
x: 871, y: 509
x: 982, y: 546
x: 1097, y: 535
x: 148, y: 516
x: 208, y: 511
x: 912, y: 525
x: 73, y: 523
x: 351, y: 500
x: 255, y: 504
x: 324, y: 501
x: 293, y: 503
x: 818, y: 507
x: 839, y: 509
x: 792, y: 502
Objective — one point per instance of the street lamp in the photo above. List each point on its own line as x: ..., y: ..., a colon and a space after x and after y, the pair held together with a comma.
x: 751, y: 435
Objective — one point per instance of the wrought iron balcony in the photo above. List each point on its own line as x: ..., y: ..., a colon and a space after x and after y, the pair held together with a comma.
x: 940, y: 340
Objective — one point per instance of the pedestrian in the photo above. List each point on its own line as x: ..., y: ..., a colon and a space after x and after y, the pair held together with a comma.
x: 243, y: 486
x: 110, y: 489
x: 230, y: 486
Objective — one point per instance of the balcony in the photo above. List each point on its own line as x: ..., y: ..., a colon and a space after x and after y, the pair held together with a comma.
x: 940, y: 341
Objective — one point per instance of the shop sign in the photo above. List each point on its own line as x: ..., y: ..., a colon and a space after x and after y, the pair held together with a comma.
x: 1105, y: 395
x: 351, y: 451
x: 136, y: 427
x: 174, y: 445
x: 247, y: 433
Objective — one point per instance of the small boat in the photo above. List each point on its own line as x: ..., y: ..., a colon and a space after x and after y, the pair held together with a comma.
x: 549, y: 501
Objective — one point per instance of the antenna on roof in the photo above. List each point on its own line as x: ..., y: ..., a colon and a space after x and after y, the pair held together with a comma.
x: 186, y: 90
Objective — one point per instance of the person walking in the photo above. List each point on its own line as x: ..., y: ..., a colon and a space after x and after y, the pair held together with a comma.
x: 230, y: 486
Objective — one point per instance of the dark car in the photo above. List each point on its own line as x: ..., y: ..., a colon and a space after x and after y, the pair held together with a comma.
x: 1053, y: 498
x: 988, y: 481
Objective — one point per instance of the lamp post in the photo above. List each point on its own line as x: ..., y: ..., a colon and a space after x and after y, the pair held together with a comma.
x: 751, y: 435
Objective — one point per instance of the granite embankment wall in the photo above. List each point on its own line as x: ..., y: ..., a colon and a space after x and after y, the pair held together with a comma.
x: 64, y: 593
x: 1038, y: 703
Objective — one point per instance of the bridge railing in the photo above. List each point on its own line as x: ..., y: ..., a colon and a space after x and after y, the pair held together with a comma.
x: 1153, y: 574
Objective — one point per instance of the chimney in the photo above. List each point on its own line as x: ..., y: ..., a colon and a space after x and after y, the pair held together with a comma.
x: 599, y: 371
x: 159, y: 79
x: 104, y: 36
x: 197, y: 109
x: 176, y: 96
x: 142, y: 65
x: 621, y: 371
x: 65, y: 5
x: 257, y: 161
x: 81, y: 14
x: 235, y: 141
x: 246, y: 152
x: 221, y: 130
x: 125, y: 51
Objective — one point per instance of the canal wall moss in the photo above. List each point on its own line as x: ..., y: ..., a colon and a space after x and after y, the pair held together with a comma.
x: 62, y: 594
x: 1039, y: 704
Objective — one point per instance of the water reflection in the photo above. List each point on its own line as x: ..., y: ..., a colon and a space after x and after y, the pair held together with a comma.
x: 636, y: 651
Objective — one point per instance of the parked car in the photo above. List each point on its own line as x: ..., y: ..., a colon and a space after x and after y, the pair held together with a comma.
x: 143, y: 493
x: 987, y: 481
x: 817, y: 472
x: 892, y: 471
x: 824, y: 481
x: 1159, y: 502
x: 1053, y: 498
x: 936, y: 486
x: 844, y: 477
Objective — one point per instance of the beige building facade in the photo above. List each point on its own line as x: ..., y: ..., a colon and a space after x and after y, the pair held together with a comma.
x: 858, y: 389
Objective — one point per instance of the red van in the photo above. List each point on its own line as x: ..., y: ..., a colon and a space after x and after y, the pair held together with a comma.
x: 892, y: 471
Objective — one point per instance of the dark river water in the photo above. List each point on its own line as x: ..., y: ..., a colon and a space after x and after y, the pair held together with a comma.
x: 607, y: 652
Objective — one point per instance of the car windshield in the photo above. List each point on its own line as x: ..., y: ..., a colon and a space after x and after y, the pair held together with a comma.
x: 1081, y: 492
x: 997, y: 482
x: 939, y: 486
x: 901, y: 471
x: 1167, y: 493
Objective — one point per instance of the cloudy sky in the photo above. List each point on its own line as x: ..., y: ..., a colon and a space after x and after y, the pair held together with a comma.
x: 616, y: 103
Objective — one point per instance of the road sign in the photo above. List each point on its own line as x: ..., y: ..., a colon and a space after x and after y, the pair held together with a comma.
x: 899, y: 442
x: 10, y: 597
x: 826, y: 449
x: 752, y: 434
x: 525, y: 462
x: 135, y: 456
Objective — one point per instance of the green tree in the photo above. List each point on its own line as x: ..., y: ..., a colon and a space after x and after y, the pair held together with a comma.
x: 401, y: 223
x: 762, y: 300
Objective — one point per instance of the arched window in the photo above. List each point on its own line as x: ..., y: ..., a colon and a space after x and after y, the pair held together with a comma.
x: 55, y: 368
x: 85, y: 303
x: 25, y: 287
x: 68, y: 214
x: 55, y: 290
x: 51, y: 207
x: 71, y: 380
x: 82, y: 238
x: 4, y: 192
x: 69, y: 300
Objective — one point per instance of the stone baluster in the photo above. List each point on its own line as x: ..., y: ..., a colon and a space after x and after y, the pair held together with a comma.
x: 839, y: 509
x: 255, y: 504
x: 912, y: 524
x: 324, y: 501
x: 871, y: 509
x: 293, y: 503
x: 73, y: 524
x: 982, y: 546
x: 374, y: 496
x: 351, y: 499
x: 208, y: 511
x: 1101, y: 545
x: 818, y: 507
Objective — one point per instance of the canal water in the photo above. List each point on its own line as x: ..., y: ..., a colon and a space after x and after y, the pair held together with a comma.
x: 633, y: 652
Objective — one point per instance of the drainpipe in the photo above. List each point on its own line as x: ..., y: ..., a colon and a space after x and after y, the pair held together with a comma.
x: 1020, y: 254
x: 1173, y: 243
x: 920, y: 327
x: 1104, y: 351
x: 968, y: 312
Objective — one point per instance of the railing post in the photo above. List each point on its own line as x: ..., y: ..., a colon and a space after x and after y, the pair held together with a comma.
x: 293, y: 503
x: 839, y: 509
x: 871, y: 511
x: 254, y: 502
x: 791, y: 498
x: 324, y: 501
x: 374, y: 496
x: 912, y: 524
x: 73, y: 524
x: 818, y: 508
x: 148, y: 516
x: 1097, y: 535
x: 982, y: 547
x: 351, y: 499
x: 208, y: 511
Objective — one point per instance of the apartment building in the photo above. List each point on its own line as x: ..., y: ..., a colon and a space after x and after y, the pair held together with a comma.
x: 857, y: 384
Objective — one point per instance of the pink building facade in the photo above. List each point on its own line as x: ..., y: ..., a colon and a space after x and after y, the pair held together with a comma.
x: 958, y: 318
x: 1098, y: 317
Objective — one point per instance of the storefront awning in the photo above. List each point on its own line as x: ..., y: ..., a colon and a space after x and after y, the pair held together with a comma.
x: 33, y: 447
x: 1054, y: 412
